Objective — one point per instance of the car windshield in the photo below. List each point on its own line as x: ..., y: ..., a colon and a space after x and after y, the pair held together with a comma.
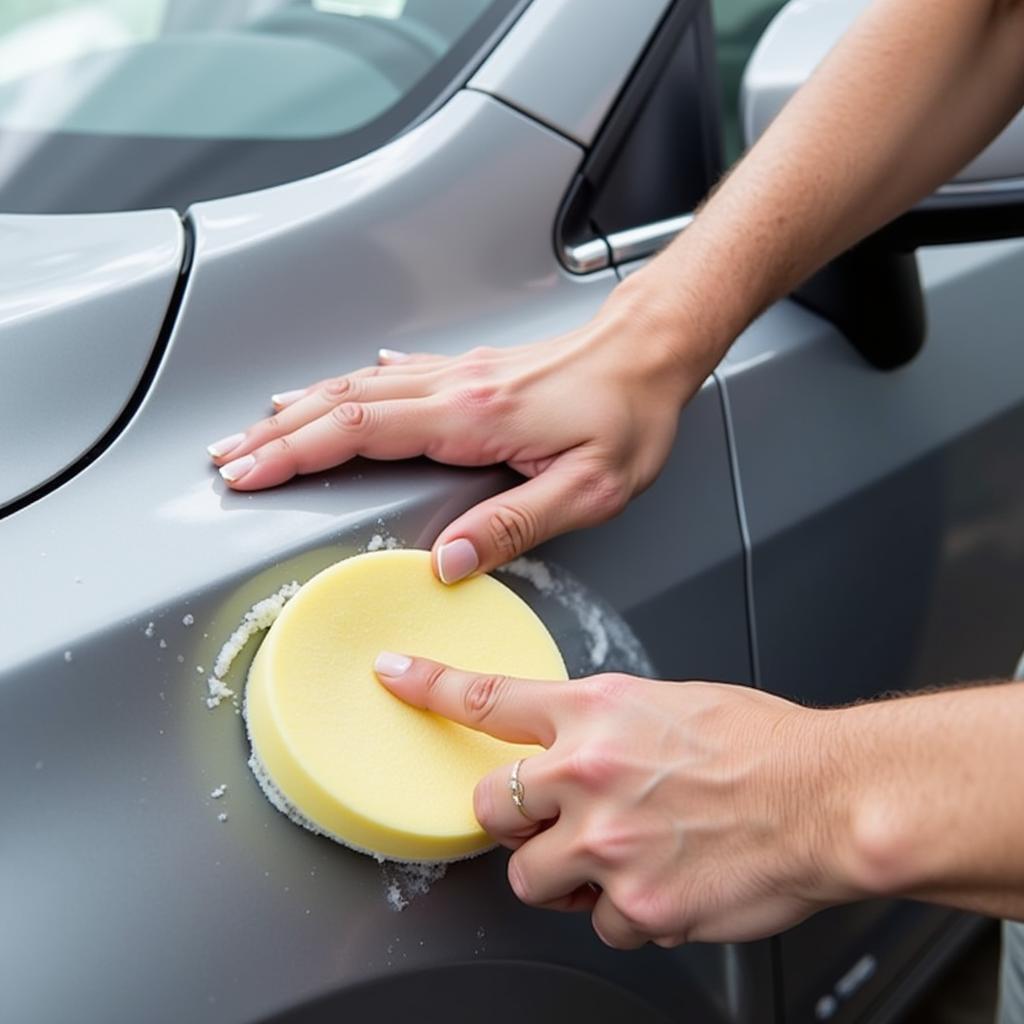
x: 128, y: 104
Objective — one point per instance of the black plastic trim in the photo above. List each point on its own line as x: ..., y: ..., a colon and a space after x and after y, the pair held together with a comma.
x: 952, y: 940
x: 576, y: 222
x: 872, y: 294
x: 135, y: 401
x: 960, y: 217
x: 681, y: 16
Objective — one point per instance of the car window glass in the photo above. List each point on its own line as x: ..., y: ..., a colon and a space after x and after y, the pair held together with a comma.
x: 145, y: 83
x: 739, y: 24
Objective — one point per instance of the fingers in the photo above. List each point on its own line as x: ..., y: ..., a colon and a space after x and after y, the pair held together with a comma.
x: 517, y: 710
x: 317, y: 401
x: 395, y: 429
x: 544, y: 871
x: 497, y: 812
x: 568, y: 494
x: 613, y: 928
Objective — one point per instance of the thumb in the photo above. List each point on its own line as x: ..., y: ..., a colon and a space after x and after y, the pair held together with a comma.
x: 563, y: 497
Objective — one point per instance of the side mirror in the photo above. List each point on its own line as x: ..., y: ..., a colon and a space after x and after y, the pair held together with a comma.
x: 984, y: 201
x: 872, y: 293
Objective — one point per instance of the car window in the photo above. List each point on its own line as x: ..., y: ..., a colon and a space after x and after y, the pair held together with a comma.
x: 739, y: 24
x: 165, y: 102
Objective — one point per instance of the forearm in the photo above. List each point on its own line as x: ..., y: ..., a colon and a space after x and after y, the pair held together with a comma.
x: 928, y: 797
x: 910, y: 95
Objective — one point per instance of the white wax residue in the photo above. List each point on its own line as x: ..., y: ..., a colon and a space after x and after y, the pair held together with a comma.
x: 150, y: 629
x: 188, y: 619
x: 378, y: 542
x: 610, y: 643
x: 258, y: 618
x: 219, y: 791
x: 404, y: 882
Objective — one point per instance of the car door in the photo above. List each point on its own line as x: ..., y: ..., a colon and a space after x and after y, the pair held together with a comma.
x: 148, y: 876
x: 885, y: 516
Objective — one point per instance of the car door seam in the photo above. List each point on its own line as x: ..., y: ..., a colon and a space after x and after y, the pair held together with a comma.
x: 741, y: 518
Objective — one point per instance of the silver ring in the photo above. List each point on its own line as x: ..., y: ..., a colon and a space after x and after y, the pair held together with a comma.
x: 516, y: 789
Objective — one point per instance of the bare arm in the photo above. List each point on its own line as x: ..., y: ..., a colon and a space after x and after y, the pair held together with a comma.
x: 913, y: 91
x: 931, y: 798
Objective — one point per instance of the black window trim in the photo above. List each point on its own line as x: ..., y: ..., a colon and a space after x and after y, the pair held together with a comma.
x: 580, y: 245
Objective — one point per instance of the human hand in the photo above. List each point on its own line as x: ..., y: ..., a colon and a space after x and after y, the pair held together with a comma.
x: 700, y: 811
x: 588, y: 417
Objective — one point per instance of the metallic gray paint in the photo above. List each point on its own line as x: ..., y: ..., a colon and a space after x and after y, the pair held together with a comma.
x: 114, y: 863
x: 82, y: 300
x: 554, y: 66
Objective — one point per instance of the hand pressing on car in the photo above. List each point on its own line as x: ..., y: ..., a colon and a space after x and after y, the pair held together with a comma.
x: 586, y: 422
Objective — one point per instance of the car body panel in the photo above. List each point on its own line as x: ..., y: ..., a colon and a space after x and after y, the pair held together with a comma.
x: 927, y: 483
x: 82, y: 303
x: 553, y: 66
x: 114, y: 861
x: 885, y: 515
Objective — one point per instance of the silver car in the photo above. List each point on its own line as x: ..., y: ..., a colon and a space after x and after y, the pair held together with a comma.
x: 205, y: 203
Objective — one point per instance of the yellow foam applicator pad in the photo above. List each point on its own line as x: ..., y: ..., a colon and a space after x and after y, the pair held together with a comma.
x: 351, y: 758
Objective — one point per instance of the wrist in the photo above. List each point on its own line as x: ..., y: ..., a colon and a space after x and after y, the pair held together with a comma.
x: 820, y: 784
x: 876, y: 845
x: 661, y: 321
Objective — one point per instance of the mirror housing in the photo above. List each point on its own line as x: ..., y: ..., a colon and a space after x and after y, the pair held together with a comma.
x: 984, y: 201
x: 872, y: 293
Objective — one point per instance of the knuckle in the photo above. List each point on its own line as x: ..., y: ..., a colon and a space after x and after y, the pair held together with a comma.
x: 477, y: 363
x: 282, y: 446
x: 349, y: 416
x: 337, y: 387
x: 478, y: 398
x: 644, y: 910
x: 608, y: 842
x: 512, y: 531
x: 483, y: 695
x: 593, y: 766
x: 605, y: 493
x: 601, y: 693
x: 434, y: 682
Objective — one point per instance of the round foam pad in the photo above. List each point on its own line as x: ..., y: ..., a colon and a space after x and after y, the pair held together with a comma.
x: 351, y: 758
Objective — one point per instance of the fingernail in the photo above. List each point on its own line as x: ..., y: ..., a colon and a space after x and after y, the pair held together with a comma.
x: 234, y: 471
x: 287, y: 397
x: 391, y: 665
x: 456, y: 560
x: 227, y: 444
x: 391, y: 355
